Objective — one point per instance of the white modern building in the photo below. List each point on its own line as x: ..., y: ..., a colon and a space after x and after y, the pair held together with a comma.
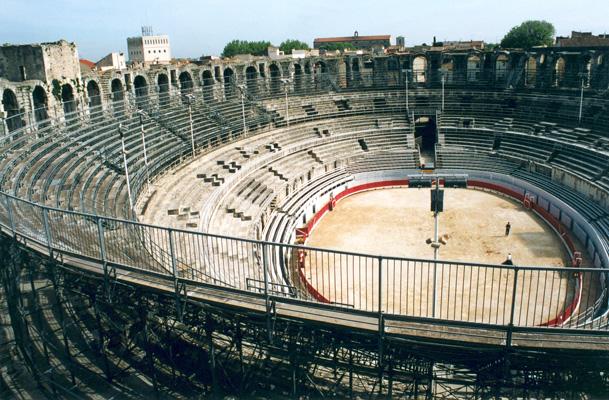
x: 149, y: 48
x: 112, y: 61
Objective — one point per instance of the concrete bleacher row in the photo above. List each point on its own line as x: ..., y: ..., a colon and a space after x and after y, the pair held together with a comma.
x: 240, y: 175
x: 590, y: 164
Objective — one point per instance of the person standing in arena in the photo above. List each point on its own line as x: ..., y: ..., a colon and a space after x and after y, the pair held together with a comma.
x: 508, y: 227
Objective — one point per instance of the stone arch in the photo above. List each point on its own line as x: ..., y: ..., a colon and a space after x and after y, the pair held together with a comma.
x: 473, y: 68
x: 560, y: 66
x: 162, y: 81
x: 94, y: 96
x: 531, y: 71
x: 419, y: 69
x: 208, y: 82
x: 393, y: 64
x: 229, y: 75
x: 206, y: 78
x: 186, y: 83
x: 41, y: 104
x: 141, y: 91
x: 320, y: 67
x: 67, y: 99
x: 275, y: 74
x: 116, y: 88
x: 12, y: 110
x: 298, y: 76
x: 448, y: 67
x: 355, y: 69
x: 251, y: 79
x: 501, y: 66
x: 117, y: 94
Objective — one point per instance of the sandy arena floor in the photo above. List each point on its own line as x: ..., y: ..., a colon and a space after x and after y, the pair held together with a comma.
x: 396, y: 222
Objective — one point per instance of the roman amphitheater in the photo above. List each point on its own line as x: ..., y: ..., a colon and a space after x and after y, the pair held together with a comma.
x: 263, y: 228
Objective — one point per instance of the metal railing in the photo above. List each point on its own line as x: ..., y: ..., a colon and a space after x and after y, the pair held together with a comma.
x: 496, y: 295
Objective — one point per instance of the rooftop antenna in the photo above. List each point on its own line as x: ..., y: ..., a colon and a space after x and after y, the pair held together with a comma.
x: 147, y: 30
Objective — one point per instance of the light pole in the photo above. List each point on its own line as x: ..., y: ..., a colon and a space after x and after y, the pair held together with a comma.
x: 443, y: 79
x: 192, y: 132
x: 286, y: 82
x: 437, y: 206
x: 144, y: 150
x: 581, y: 99
x: 242, y: 91
x: 122, y: 136
x: 406, y: 71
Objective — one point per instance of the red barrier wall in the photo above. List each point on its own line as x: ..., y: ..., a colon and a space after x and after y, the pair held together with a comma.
x: 563, y: 317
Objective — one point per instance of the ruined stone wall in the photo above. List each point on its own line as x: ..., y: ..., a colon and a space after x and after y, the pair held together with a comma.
x: 61, y: 62
x: 44, y: 62
x: 28, y: 56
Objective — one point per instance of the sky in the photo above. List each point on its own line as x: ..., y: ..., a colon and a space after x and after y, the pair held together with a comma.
x: 203, y: 27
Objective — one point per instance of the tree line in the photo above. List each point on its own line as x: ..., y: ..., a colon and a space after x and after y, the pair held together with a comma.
x: 258, y: 48
x: 526, y: 35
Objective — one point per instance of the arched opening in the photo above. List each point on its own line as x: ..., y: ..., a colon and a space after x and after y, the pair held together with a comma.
x: 355, y: 70
x: 275, y: 78
x: 393, y: 65
x: 307, y: 68
x: 419, y: 69
x: 447, y: 68
x: 141, y: 91
x: 162, y: 82
x: 11, y: 107
x: 116, y: 87
x: 39, y: 96
x: 297, y: 76
x: 67, y: 99
x: 425, y: 137
x: 251, y: 79
x: 186, y: 84
x: 320, y: 67
x: 319, y: 70
x: 531, y: 71
x: 473, y: 68
x: 559, y: 71
x: 228, y: 81
x: 94, y: 96
x: 501, y: 65
x: 208, y: 83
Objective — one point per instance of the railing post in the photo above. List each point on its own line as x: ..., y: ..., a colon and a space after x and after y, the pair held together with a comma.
x: 102, y: 255
x: 10, y: 214
x: 380, y: 278
x: 267, y: 300
x: 47, y: 230
x: 381, y: 325
x: 174, y: 269
x: 508, y: 341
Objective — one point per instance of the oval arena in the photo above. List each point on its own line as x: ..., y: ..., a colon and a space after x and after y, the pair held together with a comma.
x: 186, y: 223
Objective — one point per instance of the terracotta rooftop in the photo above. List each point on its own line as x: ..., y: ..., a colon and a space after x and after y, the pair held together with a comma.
x: 582, y: 42
x: 88, y: 63
x: 352, y: 38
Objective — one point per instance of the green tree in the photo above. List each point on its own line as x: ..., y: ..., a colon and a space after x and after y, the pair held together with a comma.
x: 529, y: 34
x: 290, y: 44
x: 235, y: 47
x: 336, y: 46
